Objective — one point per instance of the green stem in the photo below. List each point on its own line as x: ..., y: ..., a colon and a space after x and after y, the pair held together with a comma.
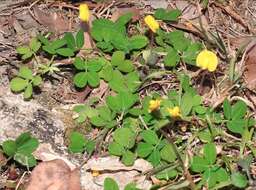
x: 182, y: 164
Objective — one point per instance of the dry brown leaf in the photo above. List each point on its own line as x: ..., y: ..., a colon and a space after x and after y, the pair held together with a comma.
x: 121, y: 11
x: 54, y: 175
x: 250, y: 66
x: 53, y: 21
x: 157, y: 4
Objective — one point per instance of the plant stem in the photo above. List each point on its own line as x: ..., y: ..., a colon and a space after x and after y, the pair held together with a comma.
x: 185, y: 169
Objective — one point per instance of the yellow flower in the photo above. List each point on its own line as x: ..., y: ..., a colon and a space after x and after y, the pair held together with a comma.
x: 154, y: 105
x: 95, y: 173
x: 151, y: 23
x: 174, y: 112
x: 207, y: 60
x: 84, y: 12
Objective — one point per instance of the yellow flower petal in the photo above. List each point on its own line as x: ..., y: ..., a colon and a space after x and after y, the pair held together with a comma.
x: 84, y: 12
x: 151, y: 23
x: 95, y: 173
x: 207, y: 60
x: 174, y: 112
x: 154, y: 105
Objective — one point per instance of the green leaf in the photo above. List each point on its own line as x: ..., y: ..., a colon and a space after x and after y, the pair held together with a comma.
x: 186, y: 104
x: 118, y: 58
x: 80, y: 79
x: 205, y: 136
x: 79, y: 63
x: 23, y: 50
x: 66, y: 52
x: 105, y: 46
x: 149, y: 136
x: 133, y: 81
x: 190, y: 54
x: 105, y: 113
x: 96, y: 64
x: 131, y: 186
x: 77, y: 142
x: 239, y: 180
x: 23, y: 138
x: 106, y: 73
x: 49, y: 49
x: 178, y: 41
x: 126, y: 100
x: 165, y: 15
x: 117, y: 83
x: 25, y: 159
x: 27, y: 55
x: 103, y: 30
x: 137, y: 42
x: 110, y: 184
x: 93, y: 79
x: 90, y: 146
x: 121, y: 42
x: 227, y: 109
x: 155, y: 158
x: 124, y: 137
x: 98, y: 121
x: 28, y: 145
x: 70, y: 40
x: 37, y: 80
x: 221, y: 175
x: 121, y: 102
x: 126, y: 66
x: 25, y: 73
x: 168, y: 154
x: 115, y: 149
x: 43, y: 39
x: 113, y: 103
x: 167, y: 174
x: 236, y: 126
x: 209, y: 178
x: 144, y: 149
x: 28, y: 91
x: 58, y: 43
x: 34, y: 45
x: 9, y: 147
x: 80, y: 39
x: 238, y: 110
x: 199, y: 164
x: 18, y: 84
x: 124, y: 19
x: 172, y: 58
x: 197, y: 100
x: 128, y: 158
x: 210, y: 153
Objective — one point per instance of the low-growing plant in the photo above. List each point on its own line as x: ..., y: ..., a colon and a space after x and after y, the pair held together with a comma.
x: 21, y: 149
x: 25, y: 81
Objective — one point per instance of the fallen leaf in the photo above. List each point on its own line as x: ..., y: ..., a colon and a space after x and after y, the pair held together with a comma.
x: 121, y: 11
x: 157, y: 4
x: 250, y: 66
x: 54, y: 175
x: 100, y: 91
x: 53, y: 21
